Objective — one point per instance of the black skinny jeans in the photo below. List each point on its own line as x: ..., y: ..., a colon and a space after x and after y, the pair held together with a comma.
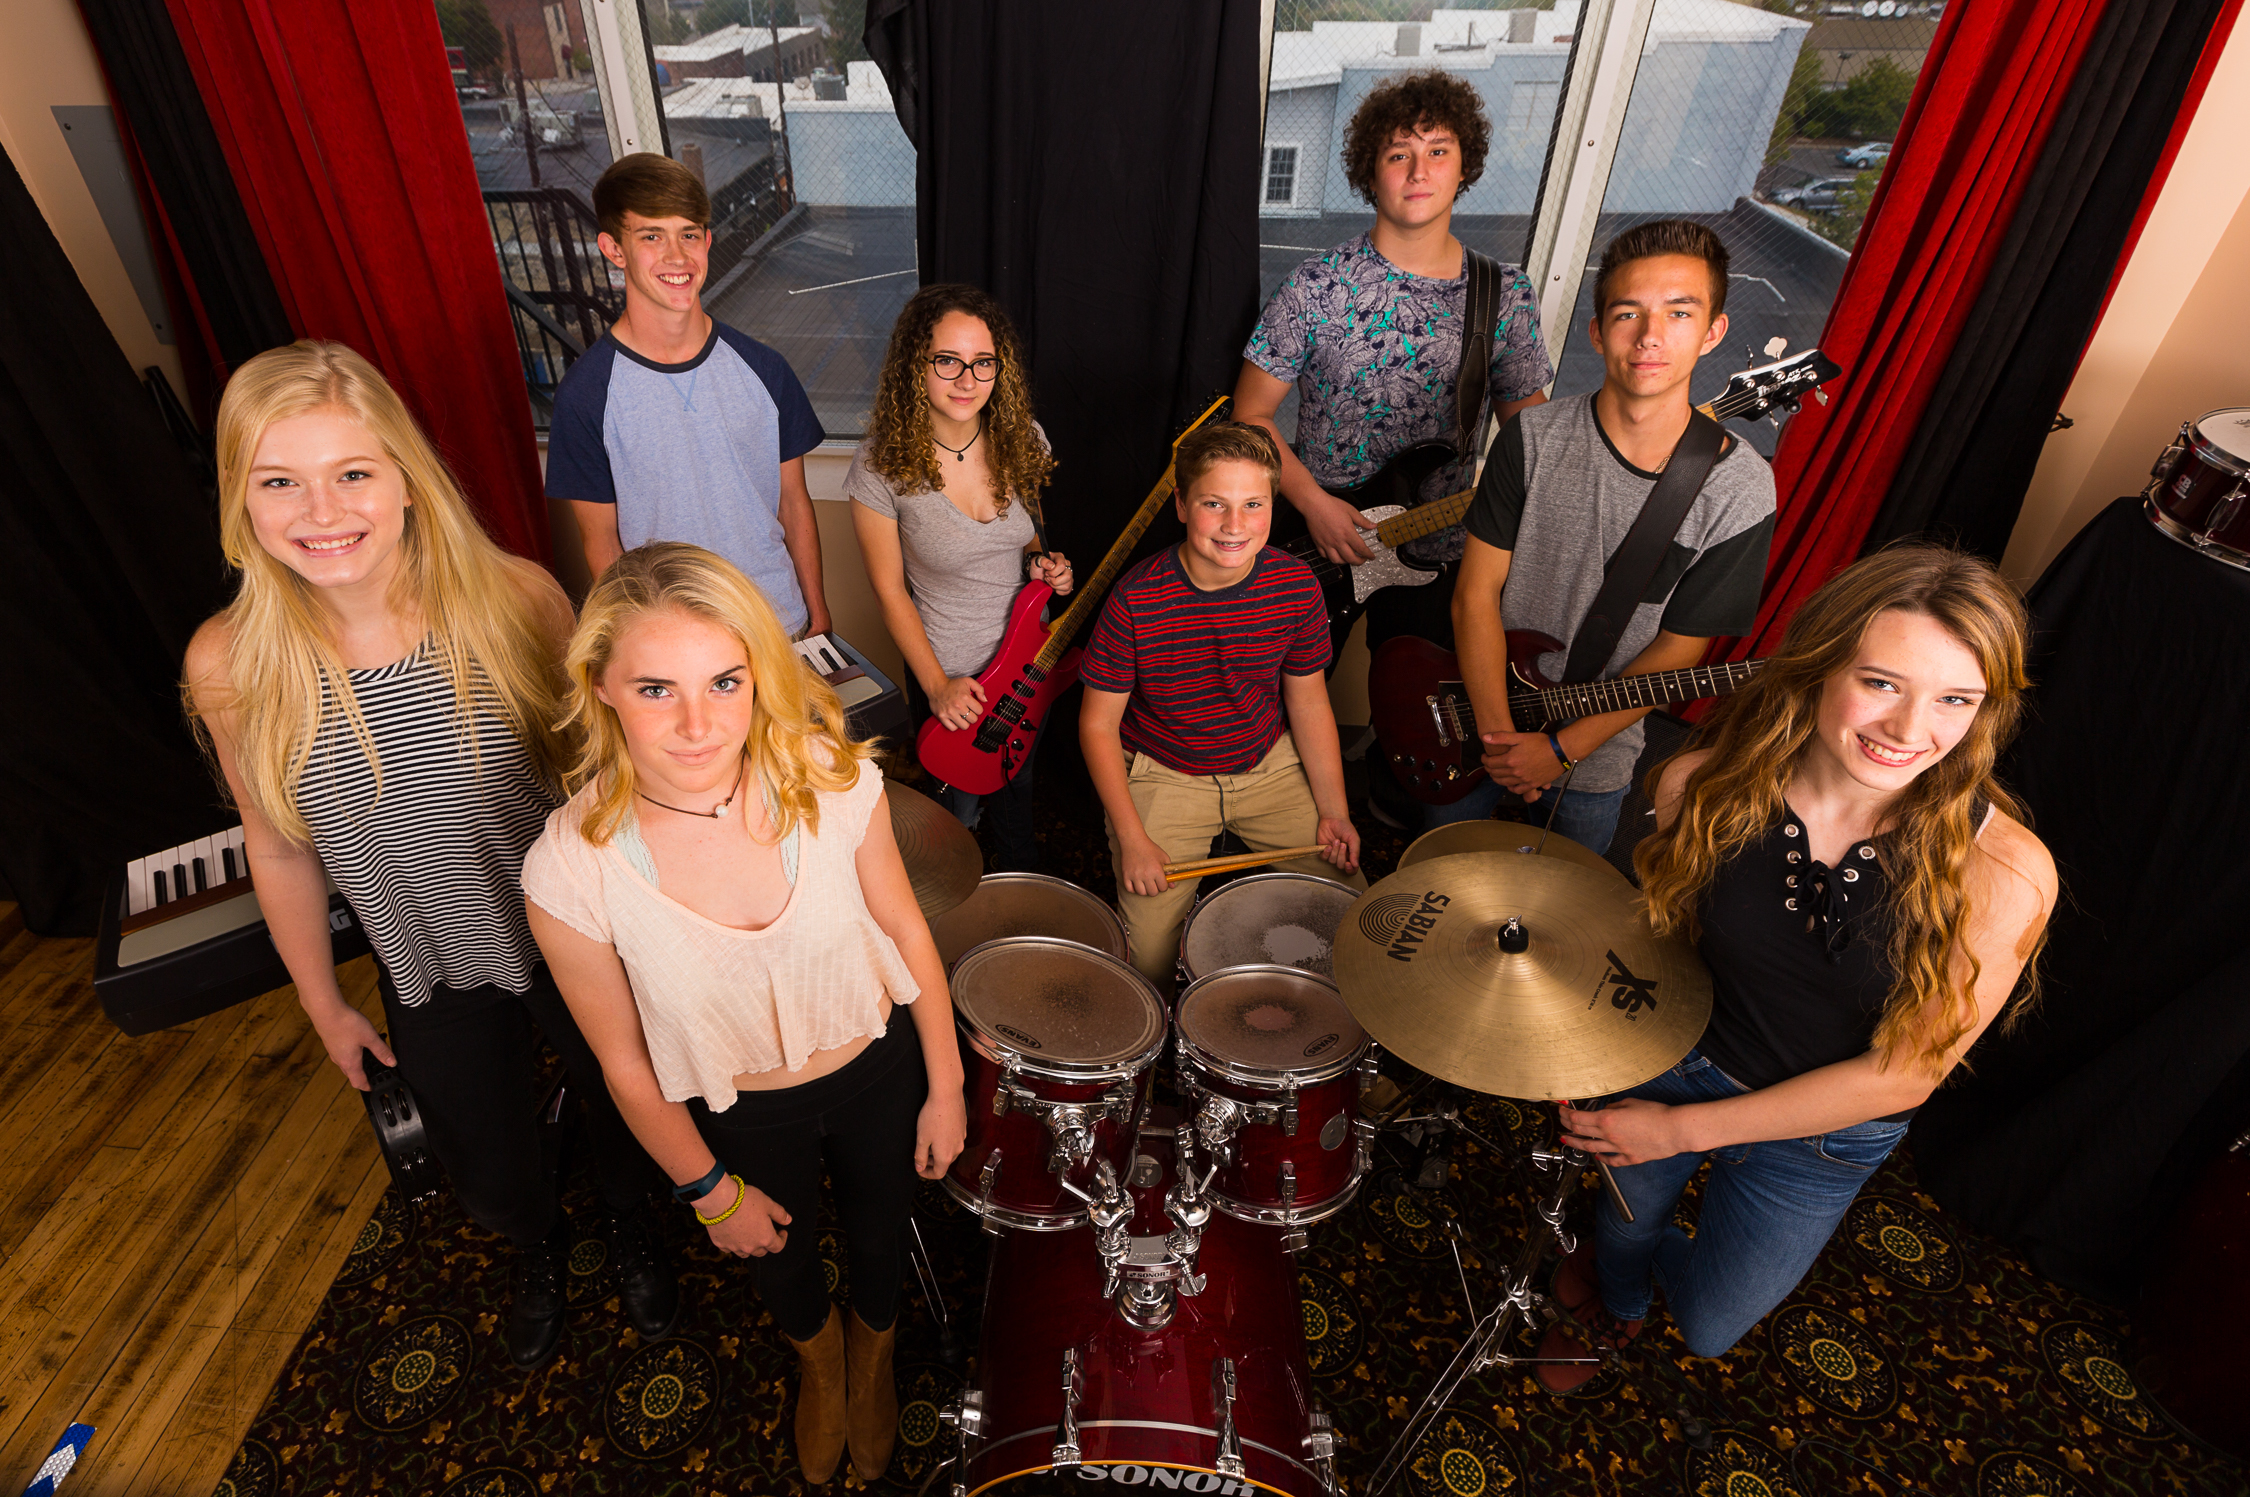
x: 469, y: 1054
x: 857, y: 1122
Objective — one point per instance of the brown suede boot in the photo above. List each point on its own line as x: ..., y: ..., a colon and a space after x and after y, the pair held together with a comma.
x: 820, y: 1400
x: 874, y: 1396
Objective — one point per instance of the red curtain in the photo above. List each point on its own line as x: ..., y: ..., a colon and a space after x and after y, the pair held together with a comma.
x: 340, y: 126
x: 1988, y: 93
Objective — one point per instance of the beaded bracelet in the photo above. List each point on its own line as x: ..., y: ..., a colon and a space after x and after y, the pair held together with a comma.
x: 1564, y: 759
x: 697, y: 1189
x: 740, y: 1190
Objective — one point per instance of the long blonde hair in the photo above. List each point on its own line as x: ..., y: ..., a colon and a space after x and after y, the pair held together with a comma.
x: 797, y: 741
x: 281, y: 661
x: 1754, y: 740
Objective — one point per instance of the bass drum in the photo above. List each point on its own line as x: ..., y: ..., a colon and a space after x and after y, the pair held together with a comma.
x: 1150, y: 1411
x: 2199, y: 491
x: 1028, y: 904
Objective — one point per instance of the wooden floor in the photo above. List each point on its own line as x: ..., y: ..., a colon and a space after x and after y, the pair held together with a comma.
x: 172, y: 1210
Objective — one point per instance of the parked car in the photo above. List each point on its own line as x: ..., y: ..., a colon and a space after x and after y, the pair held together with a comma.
x: 1820, y: 195
x: 1874, y: 153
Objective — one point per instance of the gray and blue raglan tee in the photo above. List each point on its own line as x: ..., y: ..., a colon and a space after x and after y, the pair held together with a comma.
x: 688, y: 452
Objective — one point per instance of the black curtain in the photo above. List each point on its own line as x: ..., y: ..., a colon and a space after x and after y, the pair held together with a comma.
x: 109, y: 558
x: 2075, y: 1137
x: 156, y: 92
x: 1096, y: 169
x: 1964, y: 476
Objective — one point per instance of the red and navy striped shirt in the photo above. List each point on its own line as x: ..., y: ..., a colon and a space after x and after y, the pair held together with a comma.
x: 1204, y: 669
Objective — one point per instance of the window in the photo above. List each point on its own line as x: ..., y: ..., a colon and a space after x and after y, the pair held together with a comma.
x: 1531, y: 106
x: 1281, y: 176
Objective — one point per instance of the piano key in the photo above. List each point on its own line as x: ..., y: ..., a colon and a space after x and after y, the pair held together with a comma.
x: 161, y: 888
x: 137, y: 894
x: 180, y: 885
x: 226, y: 861
x: 202, y: 876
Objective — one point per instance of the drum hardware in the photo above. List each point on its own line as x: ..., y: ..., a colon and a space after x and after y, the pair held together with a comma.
x: 1066, y: 1428
x: 918, y: 1253
x: 1222, y: 1408
x: 1321, y: 1445
x: 986, y: 1179
x: 1145, y: 1275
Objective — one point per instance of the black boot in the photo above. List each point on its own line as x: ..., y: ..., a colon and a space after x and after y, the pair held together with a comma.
x: 645, y: 1281
x: 539, y: 1297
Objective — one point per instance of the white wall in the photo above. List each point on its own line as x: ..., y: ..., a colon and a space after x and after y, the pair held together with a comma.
x: 850, y: 155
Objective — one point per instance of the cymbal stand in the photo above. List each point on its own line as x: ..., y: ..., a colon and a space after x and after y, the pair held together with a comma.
x: 1485, y: 1346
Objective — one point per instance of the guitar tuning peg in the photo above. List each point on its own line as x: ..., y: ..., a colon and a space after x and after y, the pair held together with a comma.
x: 1820, y: 395
x: 1776, y: 347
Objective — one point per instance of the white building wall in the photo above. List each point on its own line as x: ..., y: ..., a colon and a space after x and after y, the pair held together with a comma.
x: 1306, y: 119
x: 850, y: 155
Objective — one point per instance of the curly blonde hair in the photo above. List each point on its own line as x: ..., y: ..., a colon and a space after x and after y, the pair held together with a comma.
x: 797, y: 741
x: 1755, y: 738
x: 903, y: 451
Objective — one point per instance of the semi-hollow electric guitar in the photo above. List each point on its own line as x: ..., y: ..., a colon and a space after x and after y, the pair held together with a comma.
x: 1036, y: 663
x: 1389, y: 498
x: 1427, y: 730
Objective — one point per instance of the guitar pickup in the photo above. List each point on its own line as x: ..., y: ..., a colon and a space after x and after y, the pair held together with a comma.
x: 1010, y: 708
x: 1024, y: 689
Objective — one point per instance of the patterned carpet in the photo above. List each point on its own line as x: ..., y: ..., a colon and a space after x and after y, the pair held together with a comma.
x: 1916, y: 1357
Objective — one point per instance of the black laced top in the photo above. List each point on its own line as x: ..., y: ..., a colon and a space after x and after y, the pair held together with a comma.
x: 1799, y: 956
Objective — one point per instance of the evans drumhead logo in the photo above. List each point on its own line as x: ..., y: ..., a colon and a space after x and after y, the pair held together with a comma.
x: 1165, y: 1478
x: 1400, y: 923
x: 1322, y: 1045
x: 1018, y: 1036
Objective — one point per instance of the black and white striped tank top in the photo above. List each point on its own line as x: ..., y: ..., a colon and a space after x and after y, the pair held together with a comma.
x: 433, y: 866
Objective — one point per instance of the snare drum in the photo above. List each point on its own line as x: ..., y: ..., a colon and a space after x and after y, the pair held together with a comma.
x: 1028, y: 904
x: 1268, y: 919
x: 1271, y: 1064
x: 1144, y: 1408
x: 2197, y: 491
x: 1077, y: 1033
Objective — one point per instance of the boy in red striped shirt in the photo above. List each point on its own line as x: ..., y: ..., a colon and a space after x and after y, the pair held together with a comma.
x: 1206, y: 704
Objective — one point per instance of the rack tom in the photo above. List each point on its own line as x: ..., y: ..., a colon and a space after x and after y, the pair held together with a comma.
x: 1075, y: 1033
x: 1266, y: 920
x: 1272, y: 1066
x: 1028, y: 904
x: 2199, y: 491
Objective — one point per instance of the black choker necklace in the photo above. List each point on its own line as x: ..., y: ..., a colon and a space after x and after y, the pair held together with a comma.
x: 715, y: 812
x: 960, y: 453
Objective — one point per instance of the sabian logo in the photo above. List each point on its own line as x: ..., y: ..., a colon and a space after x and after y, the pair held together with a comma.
x: 1018, y: 1036
x: 1626, y: 991
x: 1402, y: 922
x: 1325, y: 1042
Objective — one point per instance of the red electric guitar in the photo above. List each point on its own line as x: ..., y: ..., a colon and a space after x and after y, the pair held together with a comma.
x: 1035, y: 664
x: 1426, y: 728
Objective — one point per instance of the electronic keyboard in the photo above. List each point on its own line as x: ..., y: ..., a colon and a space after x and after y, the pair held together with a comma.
x: 874, y: 707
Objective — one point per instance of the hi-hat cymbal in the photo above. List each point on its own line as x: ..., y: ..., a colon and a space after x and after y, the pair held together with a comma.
x: 943, y: 861
x: 1501, y: 836
x: 1576, y: 998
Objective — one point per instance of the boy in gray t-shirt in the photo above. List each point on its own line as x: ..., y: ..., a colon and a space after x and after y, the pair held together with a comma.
x: 1564, y: 484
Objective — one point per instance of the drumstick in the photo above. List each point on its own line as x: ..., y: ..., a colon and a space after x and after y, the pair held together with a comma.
x: 1234, y: 863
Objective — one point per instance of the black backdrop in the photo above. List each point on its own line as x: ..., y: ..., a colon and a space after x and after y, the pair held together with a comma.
x: 1096, y: 169
x: 109, y: 558
x: 1964, y: 476
x: 2076, y: 1137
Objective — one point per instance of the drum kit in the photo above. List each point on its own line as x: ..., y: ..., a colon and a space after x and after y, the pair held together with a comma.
x: 1141, y: 1323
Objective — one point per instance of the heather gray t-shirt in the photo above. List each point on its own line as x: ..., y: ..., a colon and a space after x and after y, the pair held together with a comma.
x: 963, y: 574
x: 1557, y: 494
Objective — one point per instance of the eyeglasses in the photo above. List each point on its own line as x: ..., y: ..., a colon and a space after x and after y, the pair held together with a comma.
x: 949, y: 367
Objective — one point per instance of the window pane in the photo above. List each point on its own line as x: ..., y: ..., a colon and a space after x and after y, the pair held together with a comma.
x: 1327, y: 55
x: 1771, y: 124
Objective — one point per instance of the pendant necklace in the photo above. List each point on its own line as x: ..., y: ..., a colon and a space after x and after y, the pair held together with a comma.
x: 715, y: 812
x: 960, y: 453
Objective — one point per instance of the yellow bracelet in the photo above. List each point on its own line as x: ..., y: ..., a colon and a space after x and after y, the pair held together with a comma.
x: 740, y: 1190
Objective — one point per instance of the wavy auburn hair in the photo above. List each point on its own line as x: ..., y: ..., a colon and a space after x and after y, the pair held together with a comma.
x: 904, y: 452
x: 1756, y: 737
x: 281, y: 662
x: 797, y: 740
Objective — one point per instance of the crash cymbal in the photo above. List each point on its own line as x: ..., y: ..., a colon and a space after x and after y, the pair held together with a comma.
x: 1520, y: 976
x: 1500, y: 836
x: 943, y: 861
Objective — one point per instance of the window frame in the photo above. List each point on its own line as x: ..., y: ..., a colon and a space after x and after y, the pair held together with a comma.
x: 1267, y: 203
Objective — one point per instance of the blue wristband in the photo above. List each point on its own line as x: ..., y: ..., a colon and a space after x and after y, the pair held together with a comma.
x: 697, y: 1190
x: 1560, y: 757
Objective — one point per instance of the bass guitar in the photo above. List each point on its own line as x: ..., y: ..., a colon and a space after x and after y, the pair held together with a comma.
x: 1392, y: 498
x: 1427, y: 730
x: 1036, y: 663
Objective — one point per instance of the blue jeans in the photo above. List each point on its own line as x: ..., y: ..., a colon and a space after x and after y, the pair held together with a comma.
x: 1768, y: 1210
x: 1587, y: 817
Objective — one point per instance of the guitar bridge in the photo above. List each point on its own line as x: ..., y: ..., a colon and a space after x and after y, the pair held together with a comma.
x: 1437, y: 721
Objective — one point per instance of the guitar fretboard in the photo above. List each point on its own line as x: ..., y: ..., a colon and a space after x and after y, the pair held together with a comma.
x: 1619, y: 694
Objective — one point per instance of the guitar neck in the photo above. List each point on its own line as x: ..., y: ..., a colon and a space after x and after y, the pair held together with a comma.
x: 1626, y: 693
x: 1424, y: 519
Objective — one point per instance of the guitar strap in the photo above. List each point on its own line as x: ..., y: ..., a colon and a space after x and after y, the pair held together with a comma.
x: 1633, y: 565
x: 1480, y: 314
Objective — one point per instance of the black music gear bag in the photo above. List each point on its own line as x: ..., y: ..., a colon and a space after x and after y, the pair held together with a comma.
x: 1633, y: 564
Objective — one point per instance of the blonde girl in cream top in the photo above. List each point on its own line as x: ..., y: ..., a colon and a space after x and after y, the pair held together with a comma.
x: 724, y: 909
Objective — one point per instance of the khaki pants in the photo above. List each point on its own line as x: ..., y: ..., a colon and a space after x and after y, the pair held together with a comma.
x: 1268, y: 805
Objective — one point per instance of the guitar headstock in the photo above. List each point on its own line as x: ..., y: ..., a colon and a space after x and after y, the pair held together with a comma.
x: 1221, y: 409
x: 1780, y: 385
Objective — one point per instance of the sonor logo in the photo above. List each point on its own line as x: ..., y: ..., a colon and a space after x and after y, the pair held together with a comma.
x: 1401, y: 922
x: 1018, y: 1036
x: 1324, y: 1043
x: 1166, y: 1478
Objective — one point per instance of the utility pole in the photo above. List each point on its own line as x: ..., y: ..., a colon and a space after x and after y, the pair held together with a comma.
x: 780, y: 105
x: 523, y: 108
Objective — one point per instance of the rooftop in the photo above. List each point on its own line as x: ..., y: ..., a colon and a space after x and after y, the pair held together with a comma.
x: 729, y: 39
